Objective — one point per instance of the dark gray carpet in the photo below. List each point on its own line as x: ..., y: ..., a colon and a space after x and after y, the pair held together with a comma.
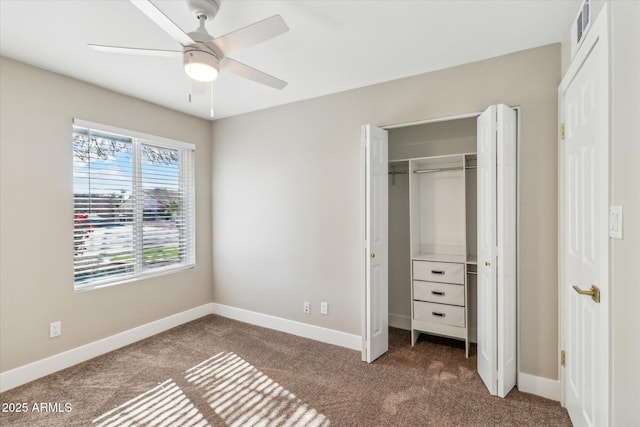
x: 216, y: 371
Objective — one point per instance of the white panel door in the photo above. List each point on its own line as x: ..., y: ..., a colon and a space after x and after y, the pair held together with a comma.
x: 486, y: 217
x: 584, y: 178
x: 496, y: 286
x: 506, y: 133
x: 376, y: 243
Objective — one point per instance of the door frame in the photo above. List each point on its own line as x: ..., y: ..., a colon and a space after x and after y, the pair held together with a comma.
x: 363, y: 255
x: 599, y: 29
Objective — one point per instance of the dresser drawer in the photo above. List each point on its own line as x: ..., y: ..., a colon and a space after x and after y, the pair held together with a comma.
x: 445, y: 272
x: 443, y: 293
x: 439, y: 313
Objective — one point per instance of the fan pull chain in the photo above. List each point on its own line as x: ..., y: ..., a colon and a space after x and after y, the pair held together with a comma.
x: 212, y: 100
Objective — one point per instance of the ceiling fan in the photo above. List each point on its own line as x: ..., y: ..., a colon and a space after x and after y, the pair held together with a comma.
x: 203, y: 55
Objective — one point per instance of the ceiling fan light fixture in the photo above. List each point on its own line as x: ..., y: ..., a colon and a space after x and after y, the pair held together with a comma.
x: 201, y: 66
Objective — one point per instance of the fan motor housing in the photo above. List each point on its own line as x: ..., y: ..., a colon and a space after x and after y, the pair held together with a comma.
x: 208, y: 8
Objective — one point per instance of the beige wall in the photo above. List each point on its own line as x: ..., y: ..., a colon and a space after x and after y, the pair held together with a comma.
x: 36, y: 217
x: 625, y: 191
x: 287, y: 194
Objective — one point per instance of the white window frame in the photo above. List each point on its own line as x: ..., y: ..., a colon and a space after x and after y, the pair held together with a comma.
x: 187, y: 171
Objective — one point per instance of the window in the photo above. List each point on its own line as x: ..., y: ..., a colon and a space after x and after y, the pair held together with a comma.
x: 133, y: 205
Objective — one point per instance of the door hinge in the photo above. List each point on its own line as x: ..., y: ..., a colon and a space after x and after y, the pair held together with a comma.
x: 563, y: 358
x: 562, y: 130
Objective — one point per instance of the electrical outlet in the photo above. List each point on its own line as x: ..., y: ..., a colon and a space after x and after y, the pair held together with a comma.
x: 55, y: 329
x: 324, y: 308
x: 306, y: 309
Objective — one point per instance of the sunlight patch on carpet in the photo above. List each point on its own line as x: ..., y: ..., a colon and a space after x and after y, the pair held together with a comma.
x: 164, y: 405
x: 243, y: 396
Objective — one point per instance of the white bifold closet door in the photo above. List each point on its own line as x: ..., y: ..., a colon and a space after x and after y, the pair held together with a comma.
x: 376, y: 251
x: 496, y: 171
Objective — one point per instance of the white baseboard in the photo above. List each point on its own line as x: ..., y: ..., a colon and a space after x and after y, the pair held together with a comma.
x: 400, y: 321
x: 38, y: 369
x: 539, y: 386
x: 329, y: 336
x: 32, y: 371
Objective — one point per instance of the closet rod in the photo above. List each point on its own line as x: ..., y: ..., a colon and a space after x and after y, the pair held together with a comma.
x: 472, y: 272
x: 437, y: 170
x: 471, y: 167
x: 398, y: 173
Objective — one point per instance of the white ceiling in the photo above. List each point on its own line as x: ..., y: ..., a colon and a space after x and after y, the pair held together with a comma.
x: 332, y: 46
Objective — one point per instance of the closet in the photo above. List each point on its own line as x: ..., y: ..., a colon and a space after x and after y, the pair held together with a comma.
x: 447, y: 216
x: 432, y: 229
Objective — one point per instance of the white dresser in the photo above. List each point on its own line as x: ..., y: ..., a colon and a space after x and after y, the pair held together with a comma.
x: 439, y: 299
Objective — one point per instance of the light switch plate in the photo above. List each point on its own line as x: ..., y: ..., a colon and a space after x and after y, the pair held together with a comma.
x: 615, y: 222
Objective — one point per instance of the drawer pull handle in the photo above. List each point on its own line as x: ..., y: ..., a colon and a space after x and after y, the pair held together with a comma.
x: 437, y: 314
x: 437, y: 272
x: 438, y: 293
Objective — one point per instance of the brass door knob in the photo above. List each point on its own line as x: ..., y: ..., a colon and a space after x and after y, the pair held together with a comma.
x: 373, y: 255
x: 487, y: 263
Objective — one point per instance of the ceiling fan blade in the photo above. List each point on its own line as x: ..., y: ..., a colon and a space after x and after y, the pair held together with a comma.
x: 163, y: 21
x: 251, y: 35
x: 137, y: 51
x: 242, y: 70
x: 199, y: 88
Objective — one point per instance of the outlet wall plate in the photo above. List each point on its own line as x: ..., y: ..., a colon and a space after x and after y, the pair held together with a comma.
x: 55, y: 329
x: 324, y: 308
x: 306, y: 307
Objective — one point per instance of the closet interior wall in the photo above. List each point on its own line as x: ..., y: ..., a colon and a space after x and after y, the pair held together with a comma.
x: 442, y: 138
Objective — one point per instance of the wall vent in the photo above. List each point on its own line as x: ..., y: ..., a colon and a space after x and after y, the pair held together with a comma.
x: 580, y: 26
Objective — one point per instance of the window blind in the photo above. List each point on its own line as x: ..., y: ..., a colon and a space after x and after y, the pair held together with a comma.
x: 133, y: 206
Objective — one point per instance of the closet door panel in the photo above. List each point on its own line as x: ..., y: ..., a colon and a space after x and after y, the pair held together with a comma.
x: 496, y: 286
x: 506, y: 245
x: 376, y: 295
x: 486, y: 223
